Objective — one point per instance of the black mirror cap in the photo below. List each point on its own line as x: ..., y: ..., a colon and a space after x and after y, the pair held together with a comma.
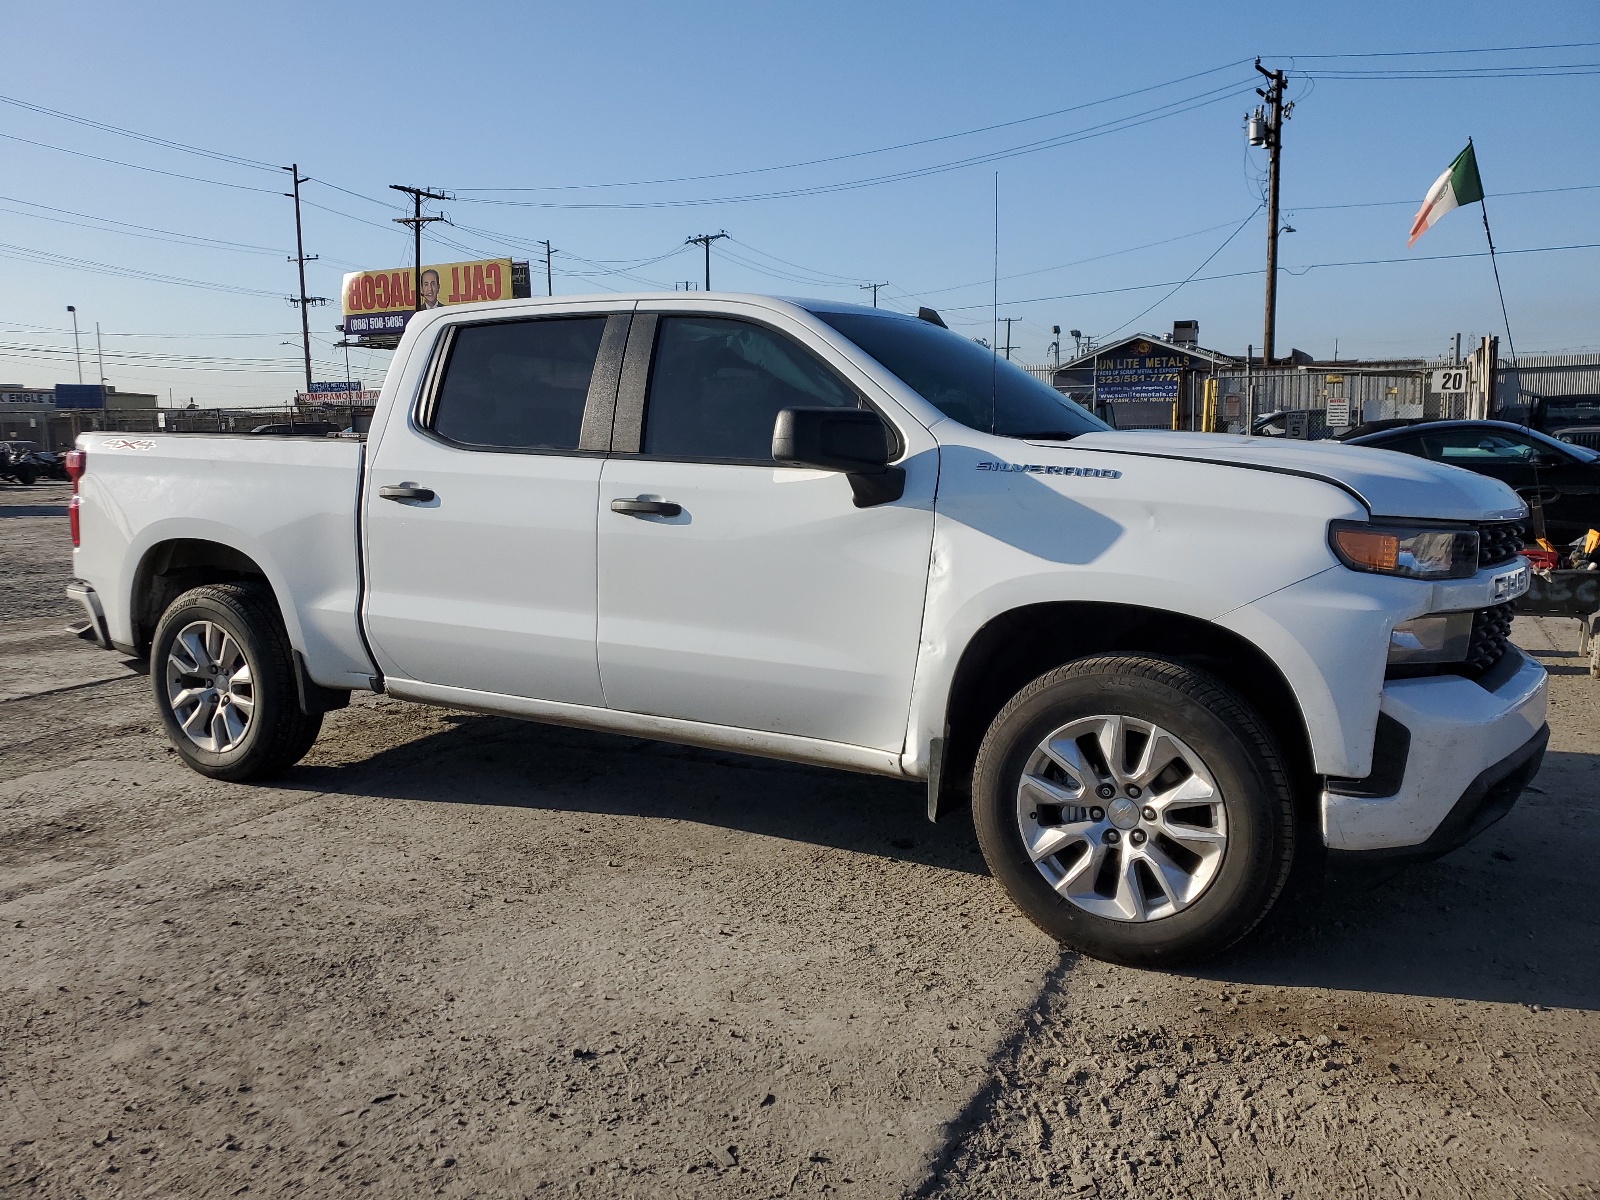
x: 834, y: 439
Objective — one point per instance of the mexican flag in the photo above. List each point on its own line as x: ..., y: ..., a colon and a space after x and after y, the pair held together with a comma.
x: 1457, y: 186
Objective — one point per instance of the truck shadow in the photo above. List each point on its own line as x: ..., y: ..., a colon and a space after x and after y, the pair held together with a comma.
x: 1501, y: 919
x: 1496, y: 920
x: 507, y: 763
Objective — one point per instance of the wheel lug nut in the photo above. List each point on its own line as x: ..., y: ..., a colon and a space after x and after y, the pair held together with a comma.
x: 1105, y: 791
x: 1097, y: 814
x: 1111, y: 837
x: 1148, y: 813
x: 1133, y: 792
x: 1137, y: 837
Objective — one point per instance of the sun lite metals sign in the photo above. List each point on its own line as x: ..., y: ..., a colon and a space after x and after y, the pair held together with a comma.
x: 379, y: 302
x: 1140, y: 371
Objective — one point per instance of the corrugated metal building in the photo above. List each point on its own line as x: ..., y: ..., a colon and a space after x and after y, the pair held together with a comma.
x: 1547, y: 375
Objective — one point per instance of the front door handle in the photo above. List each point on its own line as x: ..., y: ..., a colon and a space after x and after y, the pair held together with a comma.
x: 646, y: 508
x: 405, y: 491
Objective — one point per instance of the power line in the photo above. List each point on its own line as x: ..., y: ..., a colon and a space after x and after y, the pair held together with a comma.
x: 117, y: 162
x: 1295, y: 271
x: 1553, y: 70
x: 1580, y: 187
x: 46, y: 258
x: 813, y: 162
x: 1078, y: 262
x: 235, y: 159
x: 1431, y: 53
x: 128, y: 229
x: 1185, y: 280
x: 1117, y: 125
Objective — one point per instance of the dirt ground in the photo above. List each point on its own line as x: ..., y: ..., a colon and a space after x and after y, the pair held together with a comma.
x: 458, y: 955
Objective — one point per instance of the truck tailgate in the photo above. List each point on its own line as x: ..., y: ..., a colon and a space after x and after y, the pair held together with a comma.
x: 287, y: 503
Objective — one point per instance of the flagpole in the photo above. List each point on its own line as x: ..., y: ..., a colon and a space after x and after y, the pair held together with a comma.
x: 1483, y: 207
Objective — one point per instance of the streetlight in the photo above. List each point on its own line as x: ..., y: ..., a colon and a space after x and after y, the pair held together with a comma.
x: 78, y: 354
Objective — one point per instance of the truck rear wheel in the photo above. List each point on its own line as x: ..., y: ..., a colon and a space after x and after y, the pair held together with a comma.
x: 1136, y: 809
x: 223, y: 676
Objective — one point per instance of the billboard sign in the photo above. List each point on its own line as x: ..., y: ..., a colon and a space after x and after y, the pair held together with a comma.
x: 80, y: 395
x: 381, y: 302
x: 335, y: 400
x: 1140, y: 371
x: 343, y: 386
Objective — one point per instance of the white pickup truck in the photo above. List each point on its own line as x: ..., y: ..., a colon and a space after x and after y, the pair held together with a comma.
x: 1162, y: 667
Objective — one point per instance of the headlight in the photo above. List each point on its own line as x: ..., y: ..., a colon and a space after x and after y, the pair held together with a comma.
x: 1417, y: 551
x: 1436, y: 638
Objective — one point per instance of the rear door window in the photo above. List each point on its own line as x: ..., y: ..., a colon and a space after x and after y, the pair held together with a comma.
x: 717, y: 386
x: 518, y: 385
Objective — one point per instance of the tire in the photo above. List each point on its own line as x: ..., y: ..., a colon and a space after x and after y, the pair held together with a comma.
x: 1182, y: 885
x: 244, y: 723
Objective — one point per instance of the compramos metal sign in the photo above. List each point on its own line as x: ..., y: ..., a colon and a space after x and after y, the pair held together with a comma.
x: 381, y: 302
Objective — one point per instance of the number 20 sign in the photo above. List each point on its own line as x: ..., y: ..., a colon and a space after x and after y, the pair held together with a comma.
x: 1450, y: 381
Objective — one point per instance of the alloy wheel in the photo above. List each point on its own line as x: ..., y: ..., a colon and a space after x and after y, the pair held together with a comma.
x: 1121, y: 818
x: 209, y: 686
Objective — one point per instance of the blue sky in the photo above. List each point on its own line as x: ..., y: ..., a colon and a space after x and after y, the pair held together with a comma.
x: 469, y: 97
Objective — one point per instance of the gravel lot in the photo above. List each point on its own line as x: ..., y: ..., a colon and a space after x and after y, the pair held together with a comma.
x: 464, y: 956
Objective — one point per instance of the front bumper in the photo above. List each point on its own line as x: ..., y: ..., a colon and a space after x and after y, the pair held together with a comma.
x: 1453, y: 756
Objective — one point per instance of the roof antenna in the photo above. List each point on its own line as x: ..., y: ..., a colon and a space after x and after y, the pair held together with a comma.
x: 994, y: 337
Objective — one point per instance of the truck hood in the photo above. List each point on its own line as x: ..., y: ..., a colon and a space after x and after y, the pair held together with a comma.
x: 1389, y: 483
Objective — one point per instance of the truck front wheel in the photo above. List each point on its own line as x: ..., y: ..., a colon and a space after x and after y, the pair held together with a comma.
x: 223, y: 675
x: 1136, y: 809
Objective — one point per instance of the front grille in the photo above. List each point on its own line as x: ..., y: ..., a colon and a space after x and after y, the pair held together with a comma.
x: 1498, y: 542
x: 1491, y: 632
x: 1581, y: 437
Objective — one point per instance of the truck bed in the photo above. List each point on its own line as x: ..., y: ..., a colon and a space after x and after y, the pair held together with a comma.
x: 287, y: 503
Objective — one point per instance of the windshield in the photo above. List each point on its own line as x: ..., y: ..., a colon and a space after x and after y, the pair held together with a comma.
x: 1571, y: 410
x: 963, y: 380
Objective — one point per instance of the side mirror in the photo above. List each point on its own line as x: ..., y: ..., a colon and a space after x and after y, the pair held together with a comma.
x: 834, y: 439
x: 853, y: 440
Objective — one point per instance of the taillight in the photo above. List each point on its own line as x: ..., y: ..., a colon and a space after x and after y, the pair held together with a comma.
x: 76, y: 462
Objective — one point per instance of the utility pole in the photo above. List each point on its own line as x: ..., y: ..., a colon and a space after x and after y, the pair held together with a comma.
x: 416, y: 220
x: 549, y: 287
x: 874, y: 287
x: 100, y: 354
x: 1010, y: 321
x: 299, y: 258
x: 76, y: 352
x: 1266, y: 129
x: 705, y: 239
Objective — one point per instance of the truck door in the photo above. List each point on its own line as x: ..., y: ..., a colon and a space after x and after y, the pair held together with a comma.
x: 735, y: 591
x: 479, y: 515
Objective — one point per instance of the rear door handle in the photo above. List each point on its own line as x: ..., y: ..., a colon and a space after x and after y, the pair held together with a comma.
x: 405, y: 491
x: 646, y: 508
